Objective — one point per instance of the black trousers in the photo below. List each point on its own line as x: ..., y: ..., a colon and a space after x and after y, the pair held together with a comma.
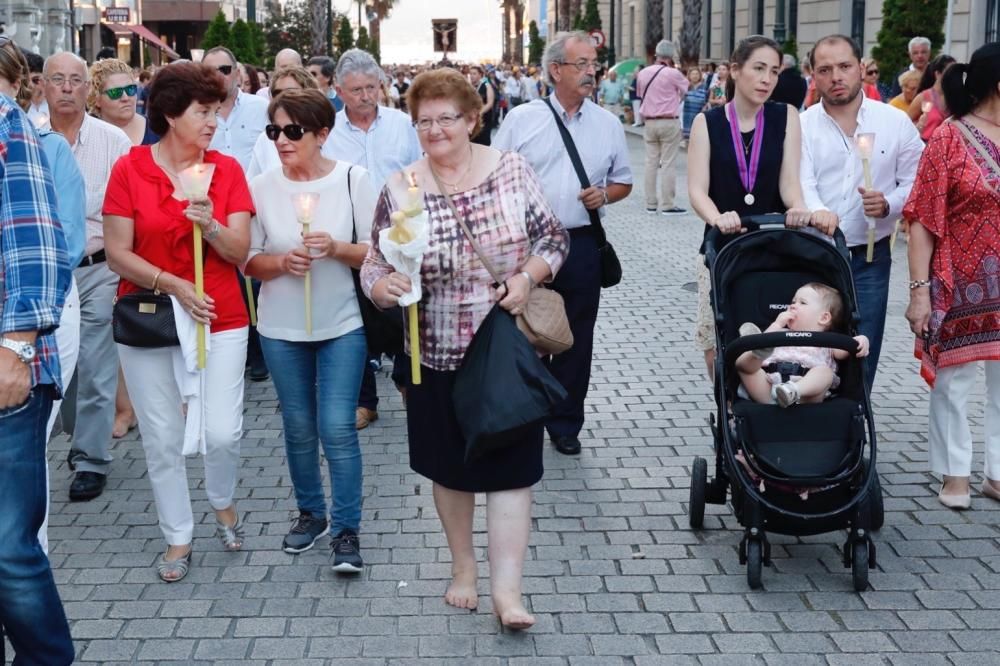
x: 255, y: 357
x: 579, y: 283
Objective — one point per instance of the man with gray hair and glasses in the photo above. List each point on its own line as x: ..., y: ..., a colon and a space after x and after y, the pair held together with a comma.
x: 919, y: 50
x: 383, y: 141
x: 569, y: 64
x: 88, y: 411
x: 662, y: 87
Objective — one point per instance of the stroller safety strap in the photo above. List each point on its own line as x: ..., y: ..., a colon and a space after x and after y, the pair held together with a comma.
x: 786, y: 369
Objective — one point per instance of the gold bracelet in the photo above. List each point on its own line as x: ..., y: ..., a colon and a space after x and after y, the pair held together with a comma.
x: 156, y: 280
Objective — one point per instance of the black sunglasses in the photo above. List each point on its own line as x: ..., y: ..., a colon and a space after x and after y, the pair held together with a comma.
x: 872, y: 71
x: 292, y: 131
x: 225, y: 69
x: 116, y: 93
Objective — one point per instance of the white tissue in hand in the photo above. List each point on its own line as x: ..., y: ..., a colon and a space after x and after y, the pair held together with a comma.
x: 407, y: 258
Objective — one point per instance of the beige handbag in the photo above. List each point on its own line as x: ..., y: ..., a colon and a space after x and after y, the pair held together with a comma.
x: 544, y: 320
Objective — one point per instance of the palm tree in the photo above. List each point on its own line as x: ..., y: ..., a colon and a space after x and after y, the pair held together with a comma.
x: 381, y: 10
x: 318, y: 25
x: 691, y: 32
x: 565, y: 17
x: 654, y: 24
x: 518, y: 8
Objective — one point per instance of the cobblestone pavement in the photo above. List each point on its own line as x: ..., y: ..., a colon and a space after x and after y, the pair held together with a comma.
x: 614, y: 574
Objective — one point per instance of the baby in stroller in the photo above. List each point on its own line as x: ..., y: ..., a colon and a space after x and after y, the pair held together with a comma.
x: 792, y: 375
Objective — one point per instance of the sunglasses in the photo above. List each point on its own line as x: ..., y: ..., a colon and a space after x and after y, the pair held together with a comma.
x: 871, y: 71
x: 226, y: 70
x: 292, y: 131
x: 116, y: 93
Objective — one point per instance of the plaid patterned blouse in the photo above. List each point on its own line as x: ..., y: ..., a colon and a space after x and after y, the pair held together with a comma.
x: 34, y: 265
x: 511, y: 220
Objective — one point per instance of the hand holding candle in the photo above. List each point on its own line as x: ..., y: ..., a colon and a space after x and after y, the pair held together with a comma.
x: 401, y: 233
x: 195, y: 181
x: 866, y: 144
x: 305, y: 208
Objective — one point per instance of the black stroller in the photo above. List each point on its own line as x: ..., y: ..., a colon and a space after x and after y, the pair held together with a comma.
x: 766, y: 454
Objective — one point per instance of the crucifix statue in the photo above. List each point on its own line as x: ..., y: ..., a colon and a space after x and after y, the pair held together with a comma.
x: 444, y: 35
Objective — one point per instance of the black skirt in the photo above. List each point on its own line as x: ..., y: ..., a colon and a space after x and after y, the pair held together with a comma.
x: 437, y: 448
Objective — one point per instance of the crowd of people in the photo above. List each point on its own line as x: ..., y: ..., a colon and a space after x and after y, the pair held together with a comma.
x: 313, y: 165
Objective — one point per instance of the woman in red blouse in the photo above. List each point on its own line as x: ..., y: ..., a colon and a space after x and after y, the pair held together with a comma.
x: 954, y: 252
x: 148, y: 227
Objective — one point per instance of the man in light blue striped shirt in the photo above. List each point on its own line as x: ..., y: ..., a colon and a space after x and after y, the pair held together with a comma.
x: 570, y: 63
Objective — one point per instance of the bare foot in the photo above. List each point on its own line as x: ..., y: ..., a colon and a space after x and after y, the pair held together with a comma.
x: 461, y: 592
x: 123, y: 423
x: 512, y: 613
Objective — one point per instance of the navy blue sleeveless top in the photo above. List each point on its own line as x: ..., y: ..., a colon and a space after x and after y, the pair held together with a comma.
x: 724, y: 186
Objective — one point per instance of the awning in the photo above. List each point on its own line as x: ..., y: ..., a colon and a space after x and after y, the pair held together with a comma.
x: 144, y: 33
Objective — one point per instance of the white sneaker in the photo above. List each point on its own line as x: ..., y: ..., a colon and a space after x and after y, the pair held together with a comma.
x: 750, y: 328
x: 787, y: 394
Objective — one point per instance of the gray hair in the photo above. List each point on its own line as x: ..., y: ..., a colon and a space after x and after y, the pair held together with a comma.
x: 789, y: 61
x: 555, y: 51
x: 918, y: 41
x: 665, y: 49
x: 357, y: 61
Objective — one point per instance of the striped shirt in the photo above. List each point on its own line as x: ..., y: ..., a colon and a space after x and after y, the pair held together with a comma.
x: 34, y: 266
x: 531, y: 131
x: 508, y: 214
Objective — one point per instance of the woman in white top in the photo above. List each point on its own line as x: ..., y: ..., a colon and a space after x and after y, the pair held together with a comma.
x: 317, y: 373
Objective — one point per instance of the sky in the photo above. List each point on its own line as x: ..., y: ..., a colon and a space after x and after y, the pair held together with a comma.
x: 407, y: 36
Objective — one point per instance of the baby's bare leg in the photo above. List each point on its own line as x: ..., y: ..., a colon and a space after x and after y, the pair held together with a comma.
x: 748, y: 363
x: 814, y: 385
x: 756, y: 384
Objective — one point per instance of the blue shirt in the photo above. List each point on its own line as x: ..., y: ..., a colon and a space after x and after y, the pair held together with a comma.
x: 71, y: 193
x: 34, y: 267
x: 389, y: 144
x: 338, y: 104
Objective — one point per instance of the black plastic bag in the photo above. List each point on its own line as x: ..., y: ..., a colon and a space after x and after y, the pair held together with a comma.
x: 383, y: 328
x: 502, y: 388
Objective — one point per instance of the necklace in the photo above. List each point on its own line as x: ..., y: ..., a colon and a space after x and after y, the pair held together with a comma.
x: 454, y: 186
x: 987, y: 120
x: 747, y: 141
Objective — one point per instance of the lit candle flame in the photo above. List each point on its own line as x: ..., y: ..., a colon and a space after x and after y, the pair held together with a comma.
x: 305, y: 206
x: 865, y: 143
x: 195, y: 180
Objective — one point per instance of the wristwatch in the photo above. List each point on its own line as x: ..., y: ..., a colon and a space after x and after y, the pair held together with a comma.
x: 24, y: 350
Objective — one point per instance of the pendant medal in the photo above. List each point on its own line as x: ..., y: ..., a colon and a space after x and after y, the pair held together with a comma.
x: 748, y: 199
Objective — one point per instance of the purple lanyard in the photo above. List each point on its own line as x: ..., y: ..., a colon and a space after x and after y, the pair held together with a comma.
x: 747, y: 176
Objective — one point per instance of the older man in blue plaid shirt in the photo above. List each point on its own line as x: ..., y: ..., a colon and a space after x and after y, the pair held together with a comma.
x: 34, y: 278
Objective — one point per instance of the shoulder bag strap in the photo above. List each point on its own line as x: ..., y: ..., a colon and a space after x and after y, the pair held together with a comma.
x: 465, y: 229
x: 646, y: 88
x: 350, y: 197
x: 574, y: 157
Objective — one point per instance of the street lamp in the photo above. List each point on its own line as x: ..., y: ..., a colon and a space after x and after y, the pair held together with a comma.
x: 779, y: 22
x: 611, y: 40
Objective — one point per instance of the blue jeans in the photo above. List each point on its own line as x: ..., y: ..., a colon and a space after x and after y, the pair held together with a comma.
x: 871, y: 282
x: 31, y: 613
x: 317, y: 385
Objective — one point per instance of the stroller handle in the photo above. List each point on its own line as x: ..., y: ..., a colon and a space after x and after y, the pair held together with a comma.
x: 716, y: 239
x: 789, y: 339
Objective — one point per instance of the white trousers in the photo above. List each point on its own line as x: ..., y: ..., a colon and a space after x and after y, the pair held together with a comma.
x: 157, y: 403
x: 949, y: 438
x: 68, y: 344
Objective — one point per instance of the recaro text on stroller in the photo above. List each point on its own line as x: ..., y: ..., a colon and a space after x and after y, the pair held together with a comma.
x: 817, y: 446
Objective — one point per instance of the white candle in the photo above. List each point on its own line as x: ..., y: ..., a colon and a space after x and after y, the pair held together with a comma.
x: 195, y: 181
x: 305, y: 208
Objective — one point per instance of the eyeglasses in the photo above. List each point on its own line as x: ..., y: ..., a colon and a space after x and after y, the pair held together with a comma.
x: 116, y: 93
x: 59, y: 80
x: 292, y: 131
x: 583, y: 65
x: 444, y: 120
x: 871, y: 71
x: 225, y: 70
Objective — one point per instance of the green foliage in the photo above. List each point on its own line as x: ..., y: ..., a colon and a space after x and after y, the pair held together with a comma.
x: 536, y: 45
x: 241, y: 40
x: 259, y: 41
x: 345, y: 36
x: 591, y: 16
x: 577, y: 23
x: 217, y: 33
x: 901, y: 21
x: 289, y: 27
x: 363, y: 42
x: 791, y: 46
x: 376, y: 51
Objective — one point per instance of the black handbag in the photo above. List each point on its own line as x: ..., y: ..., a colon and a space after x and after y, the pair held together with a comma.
x: 611, y: 267
x: 144, y: 319
x: 502, y: 389
x: 383, y: 328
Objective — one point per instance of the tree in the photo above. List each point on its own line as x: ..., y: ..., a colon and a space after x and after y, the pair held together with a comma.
x: 217, y: 33
x: 791, y: 47
x: 289, y: 27
x: 577, y: 22
x: 317, y: 24
x: 345, y: 36
x: 902, y: 20
x: 380, y: 10
x: 241, y: 38
x: 363, y: 43
x: 654, y: 28
x: 564, y: 15
x: 536, y: 45
x: 259, y: 42
x: 591, y: 20
x: 690, y: 38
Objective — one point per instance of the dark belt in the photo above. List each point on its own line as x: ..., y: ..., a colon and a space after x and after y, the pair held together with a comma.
x: 861, y: 250
x: 92, y: 259
x: 660, y: 117
x: 585, y: 230
x: 787, y: 369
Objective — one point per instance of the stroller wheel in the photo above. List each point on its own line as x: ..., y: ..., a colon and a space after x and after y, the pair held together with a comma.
x: 755, y: 562
x: 699, y: 483
x: 859, y: 565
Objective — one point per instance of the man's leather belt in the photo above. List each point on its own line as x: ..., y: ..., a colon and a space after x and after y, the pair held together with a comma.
x: 660, y: 117
x: 93, y: 259
x: 861, y: 250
